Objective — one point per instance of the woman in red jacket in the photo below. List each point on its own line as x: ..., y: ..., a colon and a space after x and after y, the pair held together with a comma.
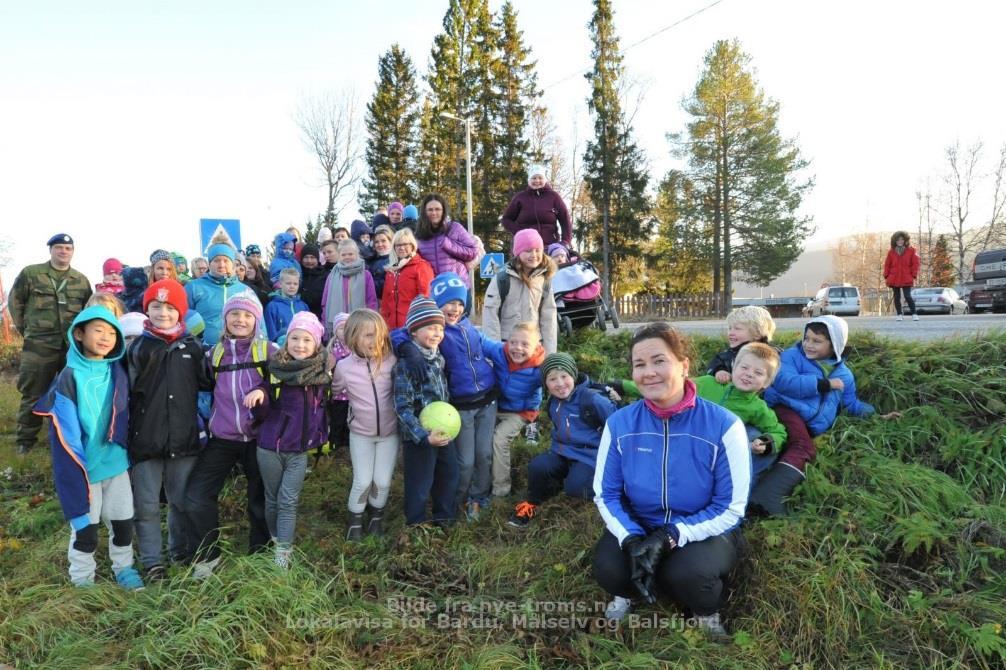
x: 408, y: 275
x: 900, y: 270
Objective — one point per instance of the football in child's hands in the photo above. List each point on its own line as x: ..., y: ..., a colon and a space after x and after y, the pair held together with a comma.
x: 440, y: 416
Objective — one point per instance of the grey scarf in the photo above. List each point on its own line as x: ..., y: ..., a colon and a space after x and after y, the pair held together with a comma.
x: 357, y: 290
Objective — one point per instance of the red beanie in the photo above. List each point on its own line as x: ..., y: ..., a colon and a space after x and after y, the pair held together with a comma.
x: 169, y: 291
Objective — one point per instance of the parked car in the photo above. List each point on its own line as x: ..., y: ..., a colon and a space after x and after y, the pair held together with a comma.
x: 938, y: 300
x: 838, y: 300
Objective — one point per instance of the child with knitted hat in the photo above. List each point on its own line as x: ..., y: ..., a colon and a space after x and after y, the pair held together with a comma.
x: 167, y: 370
x: 162, y: 266
x: 430, y: 459
x: 578, y: 413
x: 240, y: 365
x: 111, y: 272
x: 294, y: 424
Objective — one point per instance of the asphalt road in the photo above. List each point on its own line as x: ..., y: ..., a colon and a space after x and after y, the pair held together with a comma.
x: 933, y: 327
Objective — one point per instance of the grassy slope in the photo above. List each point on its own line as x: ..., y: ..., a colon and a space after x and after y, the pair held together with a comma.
x: 895, y: 559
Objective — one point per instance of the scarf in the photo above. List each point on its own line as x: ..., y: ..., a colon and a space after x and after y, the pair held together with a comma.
x: 168, y: 335
x: 312, y: 371
x: 357, y: 289
x: 687, y: 402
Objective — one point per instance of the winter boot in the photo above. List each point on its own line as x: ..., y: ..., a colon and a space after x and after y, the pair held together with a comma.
x: 774, y: 485
x: 354, y: 527
x: 375, y: 524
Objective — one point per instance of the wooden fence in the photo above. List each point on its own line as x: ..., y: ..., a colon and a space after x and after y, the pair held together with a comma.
x: 674, y: 306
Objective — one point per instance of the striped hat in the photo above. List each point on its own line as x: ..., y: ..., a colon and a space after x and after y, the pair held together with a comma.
x: 423, y: 312
x: 560, y: 360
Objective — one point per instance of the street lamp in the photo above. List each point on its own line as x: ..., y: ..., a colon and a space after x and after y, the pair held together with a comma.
x: 468, y: 161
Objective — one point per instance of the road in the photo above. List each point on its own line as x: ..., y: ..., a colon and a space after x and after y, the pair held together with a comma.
x: 933, y: 327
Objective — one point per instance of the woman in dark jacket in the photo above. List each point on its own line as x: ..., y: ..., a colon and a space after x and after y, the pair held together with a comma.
x: 901, y: 267
x: 540, y: 208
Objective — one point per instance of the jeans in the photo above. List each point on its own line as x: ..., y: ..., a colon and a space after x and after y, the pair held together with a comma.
x: 907, y: 291
x: 548, y: 472
x: 148, y: 477
x: 475, y: 454
x: 283, y: 479
x: 430, y: 473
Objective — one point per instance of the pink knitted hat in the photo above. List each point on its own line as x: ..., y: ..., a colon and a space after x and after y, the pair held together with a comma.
x: 525, y: 240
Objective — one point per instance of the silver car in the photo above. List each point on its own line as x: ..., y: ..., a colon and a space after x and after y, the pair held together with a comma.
x: 838, y: 300
x: 938, y: 300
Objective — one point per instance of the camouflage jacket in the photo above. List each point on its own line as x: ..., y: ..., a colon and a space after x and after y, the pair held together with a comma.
x: 44, y: 301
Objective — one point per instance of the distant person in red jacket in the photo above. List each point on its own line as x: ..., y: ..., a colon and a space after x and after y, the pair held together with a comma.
x: 900, y: 270
x: 540, y: 208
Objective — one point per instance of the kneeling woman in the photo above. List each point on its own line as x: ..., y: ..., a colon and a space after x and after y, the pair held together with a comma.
x: 672, y: 480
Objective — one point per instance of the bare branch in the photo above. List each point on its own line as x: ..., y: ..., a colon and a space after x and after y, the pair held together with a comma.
x: 330, y: 130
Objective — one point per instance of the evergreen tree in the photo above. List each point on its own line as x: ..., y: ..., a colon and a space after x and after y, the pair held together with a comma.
x: 944, y: 272
x: 747, y: 170
x: 681, y: 248
x: 615, y: 166
x: 392, y: 128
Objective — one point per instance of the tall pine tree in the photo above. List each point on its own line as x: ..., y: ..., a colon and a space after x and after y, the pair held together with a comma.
x: 392, y: 127
x: 749, y: 173
x: 614, y: 164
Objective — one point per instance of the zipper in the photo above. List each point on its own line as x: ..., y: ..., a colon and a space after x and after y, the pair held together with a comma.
x: 234, y: 389
x: 377, y: 403
x: 468, y: 346
x: 304, y: 440
x: 663, y: 475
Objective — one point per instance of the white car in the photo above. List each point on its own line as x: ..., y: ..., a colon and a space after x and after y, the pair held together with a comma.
x: 938, y: 300
x: 837, y: 300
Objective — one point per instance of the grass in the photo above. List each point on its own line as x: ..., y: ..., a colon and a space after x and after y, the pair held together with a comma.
x: 895, y: 558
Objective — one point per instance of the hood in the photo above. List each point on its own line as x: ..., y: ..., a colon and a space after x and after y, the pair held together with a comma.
x: 135, y: 279
x: 359, y: 228
x: 838, y: 331
x: 904, y: 234
x: 75, y: 357
x: 280, y: 240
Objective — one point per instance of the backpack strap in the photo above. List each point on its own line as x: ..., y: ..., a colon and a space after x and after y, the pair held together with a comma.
x: 259, y: 361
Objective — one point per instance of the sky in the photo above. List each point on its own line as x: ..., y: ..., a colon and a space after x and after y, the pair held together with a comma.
x: 123, y: 122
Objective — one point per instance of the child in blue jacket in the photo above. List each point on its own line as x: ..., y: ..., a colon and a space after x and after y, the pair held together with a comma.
x: 283, y: 304
x: 578, y: 413
x: 88, y: 405
x: 813, y: 385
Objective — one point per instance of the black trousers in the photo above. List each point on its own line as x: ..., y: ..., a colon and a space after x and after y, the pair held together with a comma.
x: 907, y: 290
x: 201, y: 508
x: 692, y: 575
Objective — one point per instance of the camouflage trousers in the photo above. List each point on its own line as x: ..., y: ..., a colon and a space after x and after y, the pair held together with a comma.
x: 41, y: 361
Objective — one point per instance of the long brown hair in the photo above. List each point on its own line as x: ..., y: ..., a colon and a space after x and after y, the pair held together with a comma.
x: 424, y: 229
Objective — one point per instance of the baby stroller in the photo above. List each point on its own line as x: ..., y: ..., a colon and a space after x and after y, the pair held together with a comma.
x: 577, y: 290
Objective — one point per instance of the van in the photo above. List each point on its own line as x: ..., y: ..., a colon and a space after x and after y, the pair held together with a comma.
x: 838, y: 300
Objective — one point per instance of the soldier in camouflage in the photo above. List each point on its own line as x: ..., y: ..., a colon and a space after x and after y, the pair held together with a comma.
x: 43, y: 303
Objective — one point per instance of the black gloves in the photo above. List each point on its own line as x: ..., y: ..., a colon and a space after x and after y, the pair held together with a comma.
x: 413, y: 360
x: 644, y: 556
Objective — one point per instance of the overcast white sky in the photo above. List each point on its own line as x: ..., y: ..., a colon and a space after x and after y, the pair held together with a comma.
x: 125, y: 122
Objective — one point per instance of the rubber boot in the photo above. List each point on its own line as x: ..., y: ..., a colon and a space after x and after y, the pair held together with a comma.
x: 375, y: 526
x: 774, y: 485
x: 354, y: 527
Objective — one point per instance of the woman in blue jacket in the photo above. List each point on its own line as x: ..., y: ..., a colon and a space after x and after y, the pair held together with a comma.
x: 672, y: 480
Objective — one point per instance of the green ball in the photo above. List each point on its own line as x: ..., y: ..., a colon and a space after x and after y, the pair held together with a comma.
x: 441, y: 417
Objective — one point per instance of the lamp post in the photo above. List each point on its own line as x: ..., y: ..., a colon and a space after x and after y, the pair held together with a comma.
x: 468, y: 161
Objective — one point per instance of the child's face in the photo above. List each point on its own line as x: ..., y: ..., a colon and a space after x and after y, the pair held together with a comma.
x: 520, y: 346
x: 340, y: 332
x: 750, y: 373
x: 162, y: 270
x: 182, y: 267
x: 817, y: 347
x: 113, y: 277
x: 560, y: 257
x: 300, y: 344
x: 241, y: 271
x: 368, y: 340
x: 340, y: 235
x: 162, y: 315
x: 429, y: 337
x: 395, y: 216
x: 97, y: 338
x: 310, y: 262
x: 240, y: 323
x: 531, y: 258
x: 365, y: 238
x: 289, y: 286
x: 288, y: 247
x: 453, y: 311
x: 559, y: 384
x: 348, y: 255
x: 331, y: 253
x: 739, y: 333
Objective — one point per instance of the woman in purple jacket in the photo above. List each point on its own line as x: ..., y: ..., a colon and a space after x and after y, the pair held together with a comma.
x: 540, y: 208
x: 445, y: 244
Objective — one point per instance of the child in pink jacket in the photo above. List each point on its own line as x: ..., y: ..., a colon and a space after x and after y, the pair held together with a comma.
x: 366, y: 377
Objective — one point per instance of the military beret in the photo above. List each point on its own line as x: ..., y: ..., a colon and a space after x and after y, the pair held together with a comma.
x: 61, y: 238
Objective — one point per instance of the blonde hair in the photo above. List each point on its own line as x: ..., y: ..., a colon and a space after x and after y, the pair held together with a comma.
x: 529, y: 327
x: 403, y: 236
x: 763, y: 352
x: 357, y: 325
x: 757, y: 319
x: 109, y: 301
x: 289, y: 272
x: 349, y: 244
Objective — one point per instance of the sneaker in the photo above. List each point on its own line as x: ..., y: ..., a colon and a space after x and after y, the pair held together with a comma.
x: 899, y: 318
x: 283, y: 558
x: 22, y: 450
x: 713, y: 627
x: 156, y: 573
x: 83, y: 583
x: 522, y: 514
x: 204, y: 569
x: 915, y: 317
x: 472, y: 511
x: 129, y: 579
x: 531, y: 433
x: 618, y: 608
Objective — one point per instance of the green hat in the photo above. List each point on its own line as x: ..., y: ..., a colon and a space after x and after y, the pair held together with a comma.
x: 560, y: 360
